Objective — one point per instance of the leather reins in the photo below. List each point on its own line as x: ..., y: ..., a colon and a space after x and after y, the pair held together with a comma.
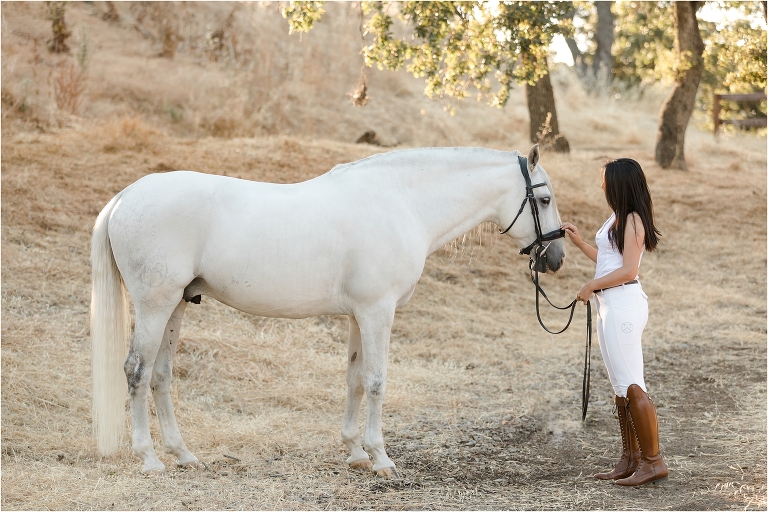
x: 538, y: 248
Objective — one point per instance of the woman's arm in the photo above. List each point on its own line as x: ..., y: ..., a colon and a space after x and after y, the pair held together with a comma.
x: 573, y: 234
x: 634, y: 236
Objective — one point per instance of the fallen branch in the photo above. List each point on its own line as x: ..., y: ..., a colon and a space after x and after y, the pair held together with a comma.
x: 138, y: 26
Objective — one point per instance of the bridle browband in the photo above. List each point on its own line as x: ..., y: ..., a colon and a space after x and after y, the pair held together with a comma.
x: 539, y: 249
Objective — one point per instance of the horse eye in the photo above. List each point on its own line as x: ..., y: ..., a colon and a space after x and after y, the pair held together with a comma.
x: 545, y: 201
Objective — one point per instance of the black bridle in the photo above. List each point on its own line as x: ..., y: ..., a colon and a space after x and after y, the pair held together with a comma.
x: 531, y: 200
x: 538, y: 249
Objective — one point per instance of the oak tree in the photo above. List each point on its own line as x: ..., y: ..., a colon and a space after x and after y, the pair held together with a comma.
x: 465, y: 48
x: 678, y: 107
x: 666, y: 42
x: 594, y: 65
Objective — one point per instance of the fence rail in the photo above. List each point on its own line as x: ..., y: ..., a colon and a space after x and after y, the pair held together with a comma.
x: 755, y: 121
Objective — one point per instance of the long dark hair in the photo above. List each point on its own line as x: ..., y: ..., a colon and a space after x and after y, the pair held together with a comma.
x: 627, y: 191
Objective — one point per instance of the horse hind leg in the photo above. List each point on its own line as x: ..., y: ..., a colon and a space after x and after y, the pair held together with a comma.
x: 350, y: 430
x: 162, y: 375
x: 151, y: 323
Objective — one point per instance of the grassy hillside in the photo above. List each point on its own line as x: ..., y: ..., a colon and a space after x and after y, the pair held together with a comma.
x: 276, y: 84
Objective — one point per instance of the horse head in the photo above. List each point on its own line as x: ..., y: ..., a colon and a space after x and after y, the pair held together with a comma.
x: 536, y: 221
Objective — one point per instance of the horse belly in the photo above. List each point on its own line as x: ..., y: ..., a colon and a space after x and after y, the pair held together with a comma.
x: 284, y: 277
x: 266, y: 299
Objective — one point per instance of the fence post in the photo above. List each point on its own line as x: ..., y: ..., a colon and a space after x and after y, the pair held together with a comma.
x: 753, y: 121
x: 716, y: 111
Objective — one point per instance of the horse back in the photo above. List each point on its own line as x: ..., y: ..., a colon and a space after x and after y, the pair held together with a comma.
x: 293, y: 250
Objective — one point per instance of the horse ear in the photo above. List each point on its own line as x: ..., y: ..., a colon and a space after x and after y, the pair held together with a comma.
x: 533, y: 158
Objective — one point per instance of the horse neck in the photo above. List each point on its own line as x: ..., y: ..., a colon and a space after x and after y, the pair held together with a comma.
x: 456, y: 189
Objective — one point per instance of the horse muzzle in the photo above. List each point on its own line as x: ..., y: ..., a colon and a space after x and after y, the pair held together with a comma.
x: 547, y: 257
x: 547, y: 252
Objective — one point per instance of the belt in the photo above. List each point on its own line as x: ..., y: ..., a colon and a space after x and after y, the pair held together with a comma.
x: 634, y: 281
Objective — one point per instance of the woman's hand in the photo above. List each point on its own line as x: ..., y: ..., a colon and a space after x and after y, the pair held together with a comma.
x: 573, y: 233
x: 585, y: 293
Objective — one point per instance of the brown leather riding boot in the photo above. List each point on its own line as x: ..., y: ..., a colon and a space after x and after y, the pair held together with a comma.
x: 643, y: 412
x: 630, y: 454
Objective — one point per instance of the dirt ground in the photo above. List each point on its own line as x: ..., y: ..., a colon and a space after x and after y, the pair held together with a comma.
x: 482, y: 408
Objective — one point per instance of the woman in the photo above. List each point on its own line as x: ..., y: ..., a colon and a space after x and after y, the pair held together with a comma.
x: 622, y: 312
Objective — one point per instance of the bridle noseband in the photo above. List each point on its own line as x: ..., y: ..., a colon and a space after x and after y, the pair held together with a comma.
x: 539, y: 249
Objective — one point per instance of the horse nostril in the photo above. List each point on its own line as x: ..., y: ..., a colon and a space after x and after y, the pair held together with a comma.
x: 555, y: 265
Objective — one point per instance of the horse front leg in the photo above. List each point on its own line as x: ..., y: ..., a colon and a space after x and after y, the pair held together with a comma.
x: 350, y: 430
x: 162, y: 375
x: 375, y: 328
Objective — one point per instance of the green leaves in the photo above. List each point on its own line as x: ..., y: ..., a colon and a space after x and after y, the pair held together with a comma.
x: 386, y: 52
x: 460, y: 47
x: 736, y: 58
x: 302, y: 16
x: 644, y: 47
x: 734, y: 62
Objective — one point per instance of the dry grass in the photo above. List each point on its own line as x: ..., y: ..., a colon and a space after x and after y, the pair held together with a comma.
x: 466, y: 352
x: 68, y: 88
x: 482, y: 408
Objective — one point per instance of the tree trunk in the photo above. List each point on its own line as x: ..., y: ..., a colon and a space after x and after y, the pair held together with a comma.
x: 111, y: 15
x: 544, y: 129
x: 58, y: 43
x: 678, y: 107
x: 578, y: 58
x: 603, y: 60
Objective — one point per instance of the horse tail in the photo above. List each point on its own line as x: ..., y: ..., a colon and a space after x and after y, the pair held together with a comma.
x: 110, y: 331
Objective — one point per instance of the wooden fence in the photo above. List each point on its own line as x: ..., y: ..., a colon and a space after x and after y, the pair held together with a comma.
x: 755, y: 121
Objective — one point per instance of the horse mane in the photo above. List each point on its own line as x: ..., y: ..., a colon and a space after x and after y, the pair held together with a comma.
x: 384, y: 158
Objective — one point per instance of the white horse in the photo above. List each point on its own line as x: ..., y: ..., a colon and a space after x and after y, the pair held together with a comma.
x: 352, y: 241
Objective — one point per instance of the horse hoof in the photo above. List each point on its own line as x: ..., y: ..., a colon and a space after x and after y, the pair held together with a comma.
x: 387, y: 473
x: 190, y: 464
x: 153, y: 470
x: 362, y: 465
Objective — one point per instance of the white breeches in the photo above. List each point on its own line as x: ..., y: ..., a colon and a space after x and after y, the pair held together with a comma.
x: 622, y: 313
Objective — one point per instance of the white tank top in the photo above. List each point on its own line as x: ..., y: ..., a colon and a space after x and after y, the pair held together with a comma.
x: 608, y: 257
